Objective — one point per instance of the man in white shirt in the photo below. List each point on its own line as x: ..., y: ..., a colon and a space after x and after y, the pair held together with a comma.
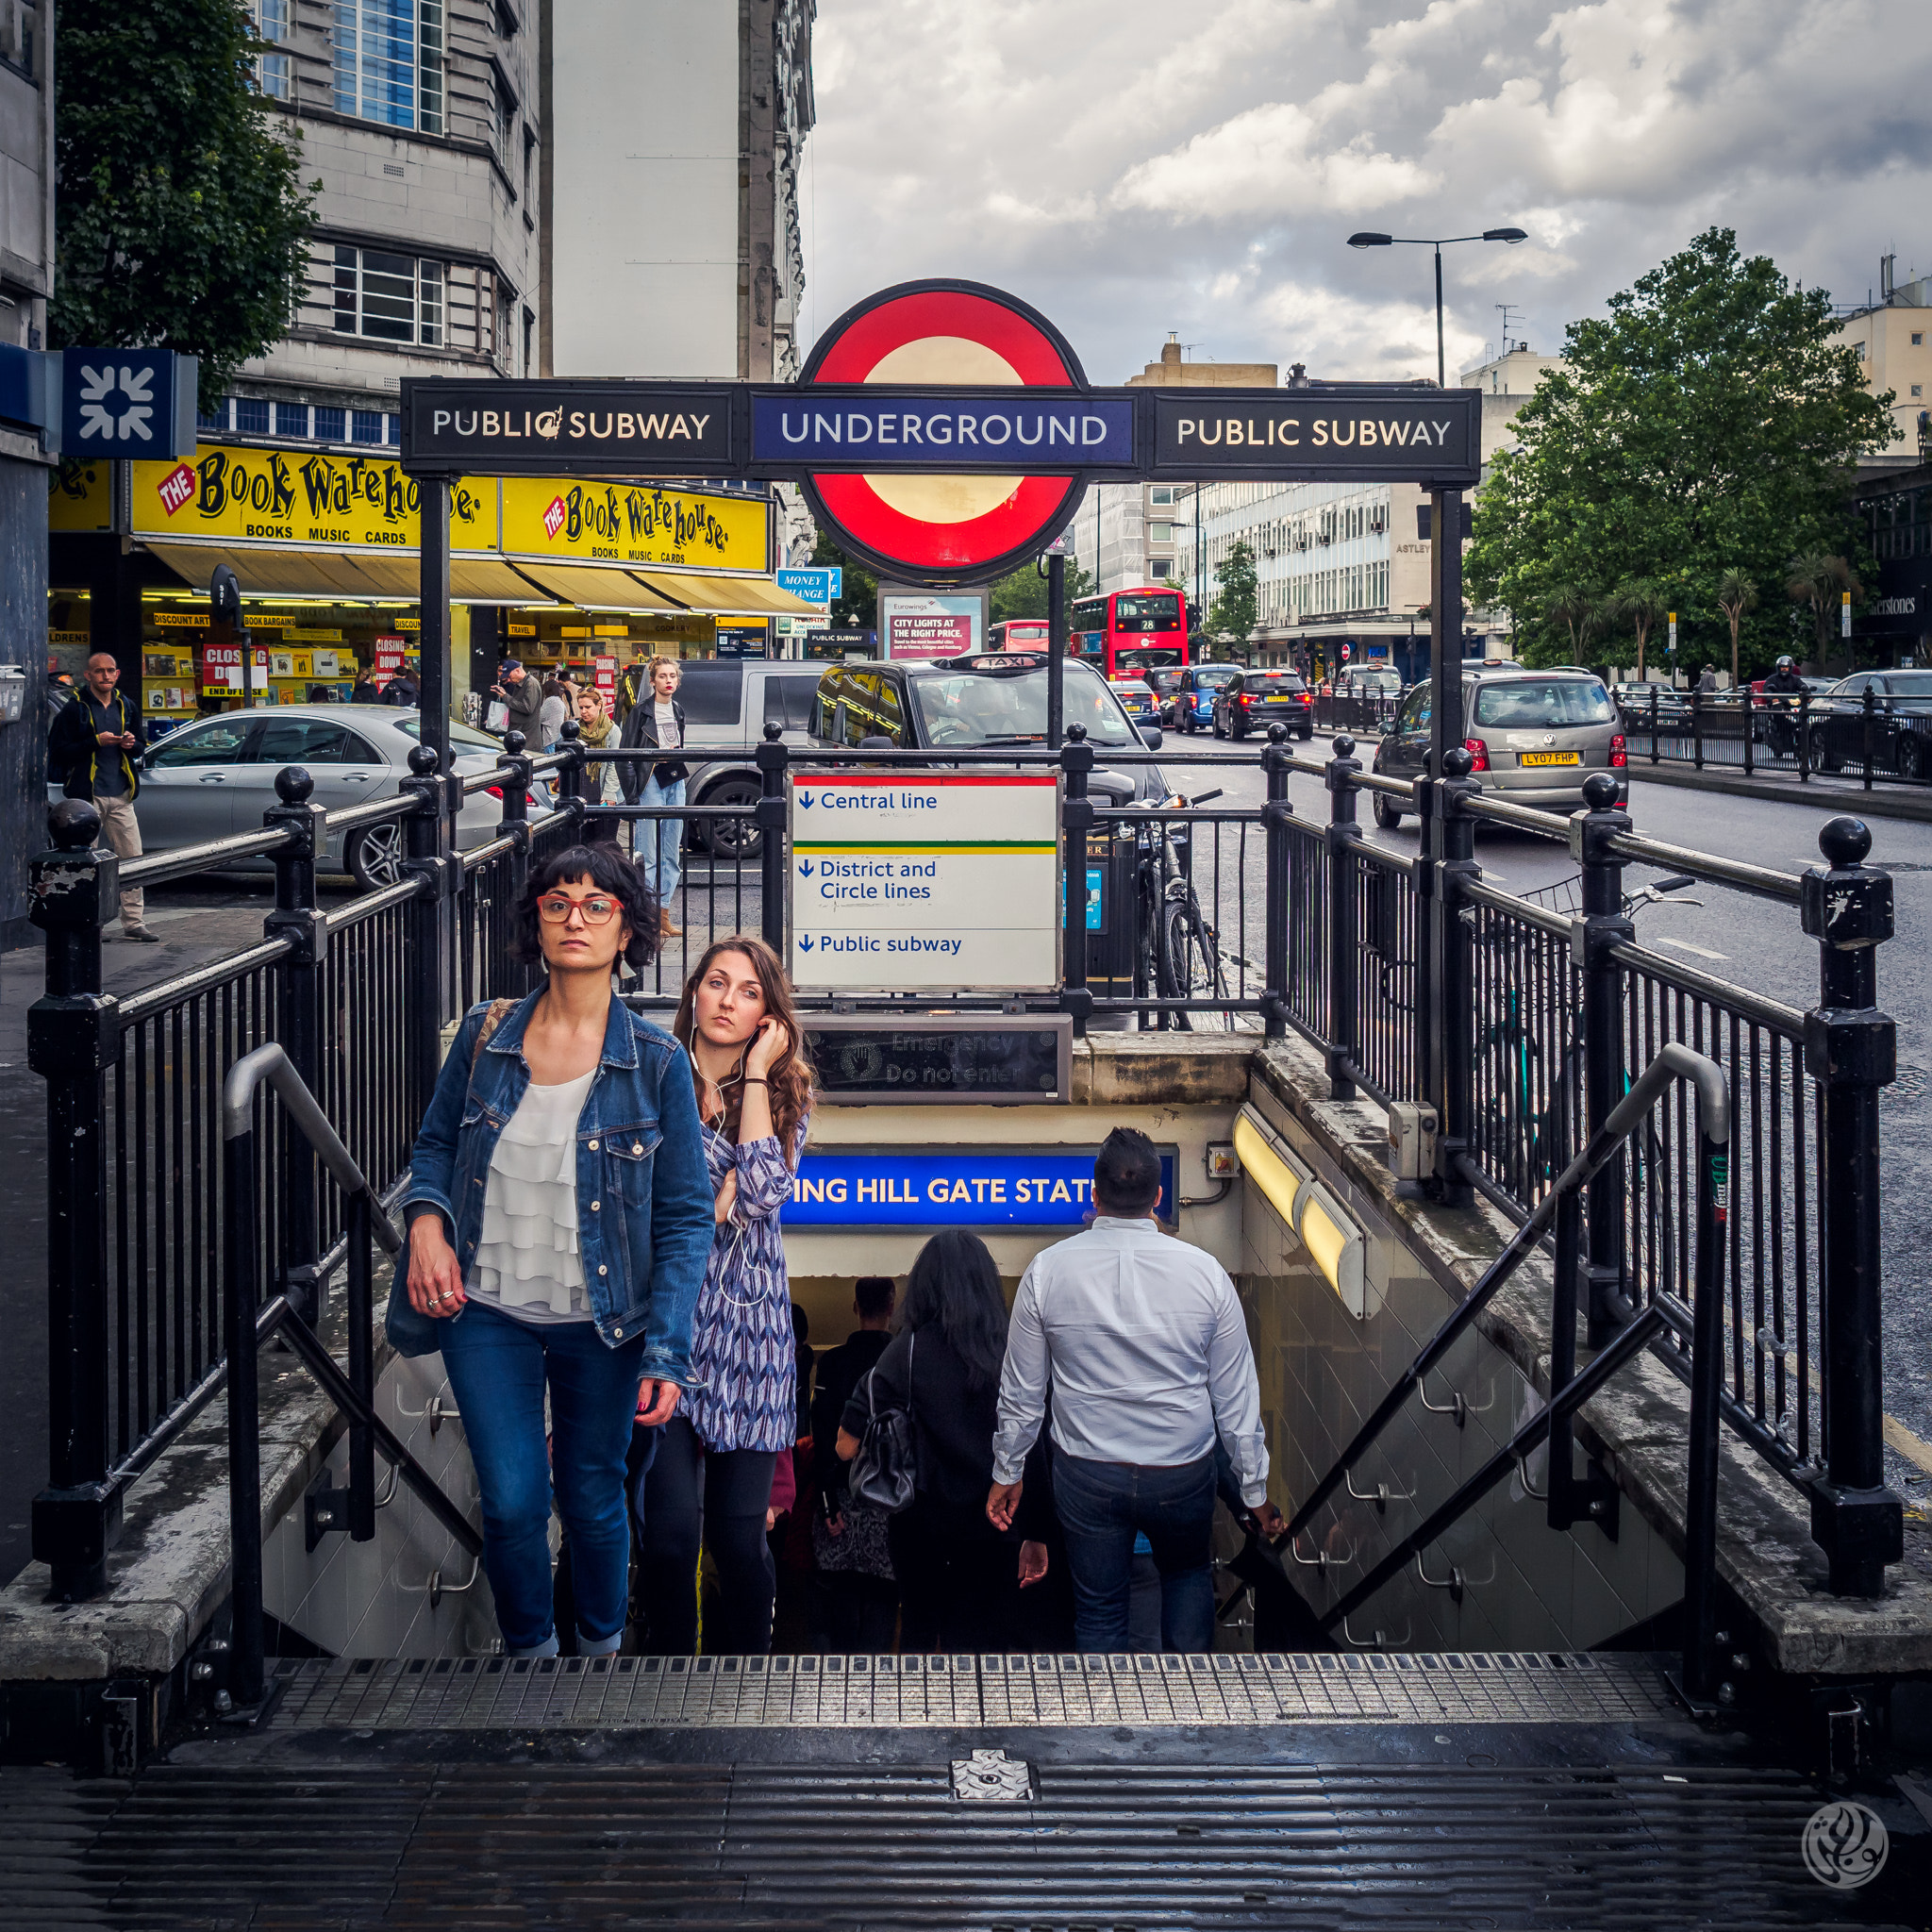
x: 1142, y: 1341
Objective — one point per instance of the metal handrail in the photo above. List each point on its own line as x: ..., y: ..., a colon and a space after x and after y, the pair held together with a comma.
x: 152, y: 867
x: 1760, y: 879
x: 248, y: 1327
x: 373, y: 811
x: 167, y: 992
x: 1526, y: 818
x: 1673, y: 1061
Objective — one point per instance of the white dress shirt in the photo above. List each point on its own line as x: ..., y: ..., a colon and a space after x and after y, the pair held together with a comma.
x: 1141, y: 1339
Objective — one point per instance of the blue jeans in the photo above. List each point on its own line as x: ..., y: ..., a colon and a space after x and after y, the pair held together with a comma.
x: 497, y: 1369
x: 1101, y: 1506
x: 657, y: 844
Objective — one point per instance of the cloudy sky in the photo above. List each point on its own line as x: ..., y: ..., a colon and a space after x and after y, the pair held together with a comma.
x: 1136, y: 166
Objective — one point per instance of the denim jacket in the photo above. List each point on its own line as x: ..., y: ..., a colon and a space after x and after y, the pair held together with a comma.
x: 644, y: 1200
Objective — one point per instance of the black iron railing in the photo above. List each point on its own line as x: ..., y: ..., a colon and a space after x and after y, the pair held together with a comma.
x: 1520, y: 1026
x: 1870, y: 738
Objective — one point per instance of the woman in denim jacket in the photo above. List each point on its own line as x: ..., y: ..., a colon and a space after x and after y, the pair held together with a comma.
x: 559, y: 1214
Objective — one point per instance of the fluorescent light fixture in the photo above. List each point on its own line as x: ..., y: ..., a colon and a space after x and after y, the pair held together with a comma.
x: 1316, y: 1218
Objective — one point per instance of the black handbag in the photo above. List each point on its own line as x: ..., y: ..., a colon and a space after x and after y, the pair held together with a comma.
x: 886, y: 1470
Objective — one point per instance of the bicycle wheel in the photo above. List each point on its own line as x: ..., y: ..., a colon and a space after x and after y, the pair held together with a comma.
x: 1191, y: 965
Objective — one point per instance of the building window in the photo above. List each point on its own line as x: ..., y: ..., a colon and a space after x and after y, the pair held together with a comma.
x: 366, y: 426
x: 1158, y: 567
x: 331, y: 424
x: 389, y: 63
x: 1161, y: 533
x: 1918, y: 339
x: 387, y: 299
x: 291, y: 418
x: 251, y: 416
x: 1161, y: 495
x: 216, y: 418
x: 271, y: 25
x: 506, y: 123
x: 1918, y: 389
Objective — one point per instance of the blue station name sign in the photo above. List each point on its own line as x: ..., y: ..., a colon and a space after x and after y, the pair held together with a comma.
x: 954, y: 1187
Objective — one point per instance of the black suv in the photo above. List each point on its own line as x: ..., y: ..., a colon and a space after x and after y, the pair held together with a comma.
x: 996, y: 698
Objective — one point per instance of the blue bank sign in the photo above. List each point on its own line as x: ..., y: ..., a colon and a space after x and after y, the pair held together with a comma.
x: 128, y: 403
x: 903, y: 429
x: 958, y: 1186
x: 817, y: 585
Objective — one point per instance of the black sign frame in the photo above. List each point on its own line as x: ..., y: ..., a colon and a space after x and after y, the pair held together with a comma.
x: 1056, y: 1029
x: 544, y: 428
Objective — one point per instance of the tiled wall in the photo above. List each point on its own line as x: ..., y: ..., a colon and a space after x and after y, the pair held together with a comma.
x: 372, y: 1599
x: 1526, y: 1587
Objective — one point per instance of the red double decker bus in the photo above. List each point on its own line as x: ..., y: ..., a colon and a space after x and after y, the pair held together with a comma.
x: 1019, y: 634
x: 1127, y: 632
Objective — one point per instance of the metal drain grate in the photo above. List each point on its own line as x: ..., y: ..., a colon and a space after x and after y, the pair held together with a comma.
x: 642, y: 1694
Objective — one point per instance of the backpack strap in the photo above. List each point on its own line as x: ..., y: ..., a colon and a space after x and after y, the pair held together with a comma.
x: 499, y: 1011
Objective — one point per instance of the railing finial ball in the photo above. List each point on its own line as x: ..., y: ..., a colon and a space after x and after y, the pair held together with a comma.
x: 73, y: 825
x: 1277, y: 733
x: 1076, y: 734
x: 423, y: 760
x: 513, y: 743
x: 1457, y: 763
x: 293, y: 785
x: 1344, y: 745
x: 1844, y: 841
x: 774, y: 731
x: 1600, y: 791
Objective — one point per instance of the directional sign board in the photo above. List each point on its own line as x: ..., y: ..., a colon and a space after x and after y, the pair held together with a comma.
x: 925, y: 881
x: 128, y: 403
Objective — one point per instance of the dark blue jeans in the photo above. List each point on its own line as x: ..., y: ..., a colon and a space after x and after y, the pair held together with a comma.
x: 498, y: 1368
x: 1101, y: 1506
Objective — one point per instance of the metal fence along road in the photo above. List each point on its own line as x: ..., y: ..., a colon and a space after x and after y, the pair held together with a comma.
x: 1521, y: 1024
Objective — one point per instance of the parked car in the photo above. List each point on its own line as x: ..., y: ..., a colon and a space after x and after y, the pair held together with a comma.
x: 1634, y: 701
x: 216, y: 777
x: 729, y: 701
x: 972, y: 702
x: 1257, y: 698
x: 1535, y: 736
x: 1900, y: 728
x: 1190, y: 704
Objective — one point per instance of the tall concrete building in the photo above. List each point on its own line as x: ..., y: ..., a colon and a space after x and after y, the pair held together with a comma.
x: 672, y: 139
x: 1127, y: 534
x: 1891, y: 338
x: 26, y: 268
x: 418, y: 117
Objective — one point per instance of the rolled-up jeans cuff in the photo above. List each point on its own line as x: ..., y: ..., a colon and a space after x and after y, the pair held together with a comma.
x: 599, y: 1646
x: 547, y: 1648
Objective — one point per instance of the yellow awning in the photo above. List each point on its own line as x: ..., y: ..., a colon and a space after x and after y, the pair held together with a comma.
x: 357, y: 575
x: 488, y: 580
x: 728, y: 596
x: 591, y: 588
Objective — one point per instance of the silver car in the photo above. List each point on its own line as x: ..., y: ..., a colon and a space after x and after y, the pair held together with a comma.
x: 1535, y: 737
x: 217, y: 776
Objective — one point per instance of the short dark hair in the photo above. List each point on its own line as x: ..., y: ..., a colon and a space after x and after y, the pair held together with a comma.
x: 874, y: 1294
x: 606, y: 867
x: 1127, y: 1174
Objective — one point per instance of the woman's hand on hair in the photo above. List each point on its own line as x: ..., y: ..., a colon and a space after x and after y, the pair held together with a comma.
x: 768, y: 1045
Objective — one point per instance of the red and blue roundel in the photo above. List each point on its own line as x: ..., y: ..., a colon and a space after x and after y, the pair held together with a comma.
x: 943, y: 528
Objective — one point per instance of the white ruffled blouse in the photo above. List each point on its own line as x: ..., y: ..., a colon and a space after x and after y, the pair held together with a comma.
x: 528, y: 1263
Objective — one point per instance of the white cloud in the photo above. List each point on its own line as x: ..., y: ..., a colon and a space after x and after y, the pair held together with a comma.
x: 1131, y: 170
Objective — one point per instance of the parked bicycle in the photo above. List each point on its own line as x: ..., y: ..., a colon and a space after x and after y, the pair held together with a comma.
x: 1178, y: 950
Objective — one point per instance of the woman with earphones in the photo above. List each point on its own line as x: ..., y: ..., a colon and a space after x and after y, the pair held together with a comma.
x: 708, y: 1480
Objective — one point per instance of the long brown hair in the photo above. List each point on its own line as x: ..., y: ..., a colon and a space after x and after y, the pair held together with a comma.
x: 791, y: 1072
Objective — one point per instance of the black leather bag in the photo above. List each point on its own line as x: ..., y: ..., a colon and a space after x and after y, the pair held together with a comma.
x: 886, y: 1470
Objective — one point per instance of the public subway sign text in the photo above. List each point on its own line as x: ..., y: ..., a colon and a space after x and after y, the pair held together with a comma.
x: 524, y: 428
x: 1333, y: 433
x: 1017, y: 429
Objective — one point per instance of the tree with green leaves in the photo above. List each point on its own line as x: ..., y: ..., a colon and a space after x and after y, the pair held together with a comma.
x: 180, y: 214
x: 1231, y: 615
x: 856, y: 606
x: 1821, y: 581
x: 1736, y: 594
x: 1575, y: 608
x: 1641, y: 605
x: 1023, y: 592
x: 1707, y: 422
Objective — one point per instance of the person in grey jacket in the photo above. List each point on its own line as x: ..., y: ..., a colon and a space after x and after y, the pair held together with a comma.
x: 523, y: 695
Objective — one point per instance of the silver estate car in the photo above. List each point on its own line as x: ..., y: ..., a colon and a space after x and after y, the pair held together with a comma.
x: 216, y: 777
x: 1535, y: 737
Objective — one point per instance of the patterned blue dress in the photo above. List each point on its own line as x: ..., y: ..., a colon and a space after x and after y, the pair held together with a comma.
x: 744, y: 1370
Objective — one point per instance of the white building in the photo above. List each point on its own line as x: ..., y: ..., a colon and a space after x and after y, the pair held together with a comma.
x: 419, y: 118
x: 673, y: 137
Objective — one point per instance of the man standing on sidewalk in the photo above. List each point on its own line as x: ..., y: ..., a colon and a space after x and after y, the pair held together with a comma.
x: 1141, y: 1339
x: 93, y: 743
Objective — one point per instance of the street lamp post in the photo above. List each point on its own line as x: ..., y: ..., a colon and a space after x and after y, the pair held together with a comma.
x: 1367, y: 240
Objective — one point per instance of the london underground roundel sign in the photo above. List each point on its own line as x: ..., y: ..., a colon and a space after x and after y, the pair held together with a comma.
x: 922, y: 339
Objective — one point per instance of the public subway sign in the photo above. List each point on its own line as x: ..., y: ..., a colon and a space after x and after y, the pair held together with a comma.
x: 944, y: 432
x: 987, y: 1188
x: 934, y: 881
